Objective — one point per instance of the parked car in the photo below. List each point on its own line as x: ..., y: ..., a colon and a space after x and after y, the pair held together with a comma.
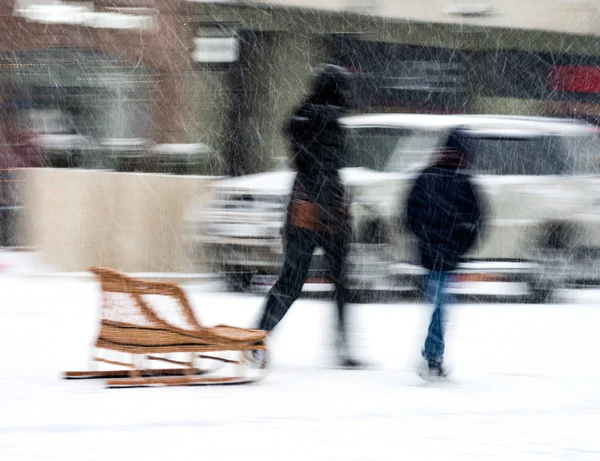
x: 539, y: 178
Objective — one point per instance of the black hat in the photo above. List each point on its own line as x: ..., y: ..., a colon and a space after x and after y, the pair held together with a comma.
x: 454, y: 152
x: 456, y: 141
x: 331, y: 85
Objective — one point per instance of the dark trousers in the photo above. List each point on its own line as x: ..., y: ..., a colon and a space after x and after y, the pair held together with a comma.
x: 300, y: 244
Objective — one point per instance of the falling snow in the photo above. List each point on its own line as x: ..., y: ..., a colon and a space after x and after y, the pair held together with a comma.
x: 148, y: 136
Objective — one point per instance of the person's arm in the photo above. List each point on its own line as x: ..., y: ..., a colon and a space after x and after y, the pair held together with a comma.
x: 474, y: 223
x: 297, y: 131
x: 415, y: 204
x: 480, y: 217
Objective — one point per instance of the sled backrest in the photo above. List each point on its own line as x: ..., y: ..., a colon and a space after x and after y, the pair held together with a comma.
x: 142, y: 303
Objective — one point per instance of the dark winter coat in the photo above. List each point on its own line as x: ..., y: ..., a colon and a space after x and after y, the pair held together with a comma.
x: 445, y: 213
x: 317, y: 141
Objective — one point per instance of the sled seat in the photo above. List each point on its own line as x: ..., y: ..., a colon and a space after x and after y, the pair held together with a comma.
x: 139, y: 318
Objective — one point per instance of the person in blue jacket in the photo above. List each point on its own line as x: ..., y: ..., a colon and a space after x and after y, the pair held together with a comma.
x: 444, y: 211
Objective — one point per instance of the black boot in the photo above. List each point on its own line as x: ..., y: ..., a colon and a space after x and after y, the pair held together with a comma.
x: 344, y: 358
x: 257, y: 358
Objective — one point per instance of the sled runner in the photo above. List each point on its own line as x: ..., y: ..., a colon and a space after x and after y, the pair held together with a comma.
x: 154, y: 322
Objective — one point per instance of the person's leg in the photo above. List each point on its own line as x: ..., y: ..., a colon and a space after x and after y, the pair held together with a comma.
x: 335, y: 254
x: 336, y: 247
x: 300, y: 244
x: 438, y: 296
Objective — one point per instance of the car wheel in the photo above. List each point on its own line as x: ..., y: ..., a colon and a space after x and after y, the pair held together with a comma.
x: 238, y: 280
x: 539, y: 295
x: 553, y: 253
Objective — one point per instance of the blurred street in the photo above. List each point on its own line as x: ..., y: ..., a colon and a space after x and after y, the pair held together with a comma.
x: 523, y: 385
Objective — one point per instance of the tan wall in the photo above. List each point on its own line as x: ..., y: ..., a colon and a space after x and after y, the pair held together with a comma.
x: 129, y: 222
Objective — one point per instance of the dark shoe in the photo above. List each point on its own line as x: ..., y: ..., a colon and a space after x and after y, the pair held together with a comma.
x: 344, y: 358
x: 349, y: 363
x: 436, y: 369
x: 257, y: 358
x: 432, y: 370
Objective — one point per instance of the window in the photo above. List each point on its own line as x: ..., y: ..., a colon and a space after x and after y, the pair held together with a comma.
x: 372, y: 147
x: 585, y: 152
x: 389, y: 149
x: 531, y: 156
x: 414, y: 152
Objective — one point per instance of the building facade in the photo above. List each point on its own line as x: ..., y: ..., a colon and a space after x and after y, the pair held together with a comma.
x: 181, y: 73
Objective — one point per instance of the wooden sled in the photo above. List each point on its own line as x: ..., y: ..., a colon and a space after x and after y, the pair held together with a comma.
x: 152, y: 322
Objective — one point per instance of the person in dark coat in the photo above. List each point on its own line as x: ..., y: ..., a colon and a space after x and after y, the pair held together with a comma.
x: 318, y: 212
x: 444, y: 212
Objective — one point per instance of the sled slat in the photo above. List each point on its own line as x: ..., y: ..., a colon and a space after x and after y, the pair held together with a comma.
x: 218, y: 359
x: 124, y: 374
x: 115, y: 362
x: 163, y: 359
x: 178, y: 381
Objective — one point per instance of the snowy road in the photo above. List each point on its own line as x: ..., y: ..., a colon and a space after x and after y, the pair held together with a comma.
x: 526, y: 386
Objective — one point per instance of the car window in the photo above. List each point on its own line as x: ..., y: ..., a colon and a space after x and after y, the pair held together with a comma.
x: 414, y: 152
x: 531, y: 156
x: 585, y: 152
x: 390, y: 149
x: 405, y: 150
x: 371, y: 147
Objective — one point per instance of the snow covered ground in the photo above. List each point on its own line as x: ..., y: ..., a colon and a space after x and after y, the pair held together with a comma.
x: 525, y: 385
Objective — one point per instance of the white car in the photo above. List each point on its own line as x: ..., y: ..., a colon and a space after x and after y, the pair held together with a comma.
x: 539, y: 178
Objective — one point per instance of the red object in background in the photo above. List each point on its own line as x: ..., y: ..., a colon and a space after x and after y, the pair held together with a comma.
x: 575, y: 79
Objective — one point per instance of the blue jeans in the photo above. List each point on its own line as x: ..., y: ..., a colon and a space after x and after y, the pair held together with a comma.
x: 436, y: 284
